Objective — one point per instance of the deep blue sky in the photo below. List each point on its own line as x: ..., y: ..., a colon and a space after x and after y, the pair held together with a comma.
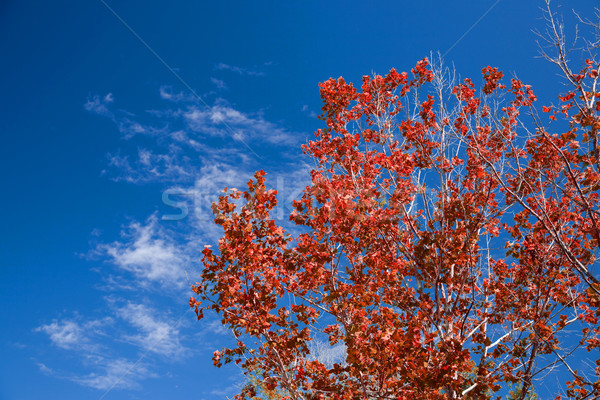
x: 94, y: 127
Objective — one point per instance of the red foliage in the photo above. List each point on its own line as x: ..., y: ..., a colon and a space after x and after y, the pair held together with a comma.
x: 446, y: 248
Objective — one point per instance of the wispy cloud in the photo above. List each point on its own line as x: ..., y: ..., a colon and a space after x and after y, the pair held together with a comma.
x: 177, y: 141
x: 85, y: 339
x: 160, y: 336
x: 74, y: 335
x: 105, y: 373
x: 166, y: 93
x: 219, y: 84
x: 306, y: 110
x: 229, y: 387
x: 209, y: 185
x: 213, y: 178
x: 149, y: 253
x: 115, y: 373
x: 149, y: 166
x: 246, y: 126
x: 289, y: 180
x: 44, y: 369
x: 252, y: 71
x: 99, y: 105
x: 93, y: 342
x: 215, y: 327
x: 67, y: 334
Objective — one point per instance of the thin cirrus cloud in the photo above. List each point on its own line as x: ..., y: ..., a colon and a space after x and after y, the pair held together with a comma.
x: 98, y: 370
x: 100, y: 105
x: 153, y: 335
x: 150, y: 254
x: 143, y: 328
x: 222, y: 119
x: 307, y: 111
x: 243, y: 126
x: 252, y: 71
x: 146, y: 165
x: 185, y: 137
x: 74, y: 335
x: 117, y: 373
x: 166, y: 93
x: 219, y: 84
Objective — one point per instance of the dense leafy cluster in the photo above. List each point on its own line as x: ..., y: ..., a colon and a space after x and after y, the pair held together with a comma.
x: 447, y: 241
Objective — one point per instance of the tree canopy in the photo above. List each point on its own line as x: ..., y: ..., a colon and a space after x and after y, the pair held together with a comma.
x: 446, y: 244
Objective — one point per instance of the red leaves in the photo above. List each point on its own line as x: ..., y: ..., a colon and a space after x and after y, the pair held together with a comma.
x: 336, y: 96
x: 422, y: 73
x: 523, y: 94
x: 567, y: 97
x: 427, y: 114
x: 491, y: 77
x: 464, y: 91
x: 400, y: 262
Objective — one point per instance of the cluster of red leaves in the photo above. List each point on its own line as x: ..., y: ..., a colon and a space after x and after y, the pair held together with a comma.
x: 396, y: 260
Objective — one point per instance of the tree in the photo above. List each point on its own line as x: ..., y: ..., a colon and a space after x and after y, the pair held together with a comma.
x: 447, y: 243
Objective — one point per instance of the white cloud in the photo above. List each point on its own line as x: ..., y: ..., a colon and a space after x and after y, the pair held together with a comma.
x: 67, y: 334
x: 73, y: 335
x: 154, y: 335
x: 149, y: 166
x: 99, y: 105
x: 190, y: 147
x: 86, y: 339
x: 115, y: 373
x: 219, y: 84
x: 254, y: 71
x: 44, y: 369
x: 289, y: 182
x: 175, y: 142
x: 126, y: 125
x: 217, y: 120
x: 150, y: 254
x: 167, y: 93
x: 213, y: 178
x: 131, y: 128
x: 306, y: 110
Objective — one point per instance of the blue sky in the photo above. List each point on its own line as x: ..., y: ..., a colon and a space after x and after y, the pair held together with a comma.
x: 94, y: 278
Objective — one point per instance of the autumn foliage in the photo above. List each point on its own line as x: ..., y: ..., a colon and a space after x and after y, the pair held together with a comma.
x: 446, y: 243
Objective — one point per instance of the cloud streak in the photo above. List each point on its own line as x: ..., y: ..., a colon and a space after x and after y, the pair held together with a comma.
x: 154, y: 335
x: 177, y: 141
x: 74, y: 335
x: 145, y: 328
x: 246, y: 126
x: 115, y: 373
x: 149, y: 253
x: 99, y: 105
x: 253, y: 71
x: 149, y: 166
